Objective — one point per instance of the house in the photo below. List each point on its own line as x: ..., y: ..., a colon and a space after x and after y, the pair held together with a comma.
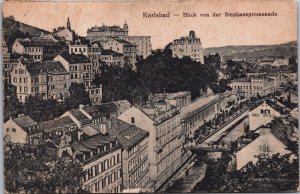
x: 272, y: 139
x: 188, y: 46
x: 23, y: 130
x: 254, y: 85
x: 261, y: 115
x: 143, y: 44
x: 58, y: 127
x: 47, y: 78
x: 112, y: 58
x: 81, y: 71
x: 101, y: 158
x: 77, y: 117
x: 162, y: 121
x: 290, y: 97
x: 65, y: 32
x: 134, y: 142
x: 103, y: 33
x: 122, y: 46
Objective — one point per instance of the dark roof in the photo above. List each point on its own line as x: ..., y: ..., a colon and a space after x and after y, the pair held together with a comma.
x: 123, y: 41
x: 105, y: 28
x: 79, y: 116
x: 278, y: 129
x: 58, y: 124
x: 39, y: 43
x: 75, y: 58
x: 93, y: 111
x: 25, y: 122
x: 110, y: 52
x: 242, y: 80
x: 44, y: 67
x: 91, y: 144
x: 108, y: 108
x: 127, y: 135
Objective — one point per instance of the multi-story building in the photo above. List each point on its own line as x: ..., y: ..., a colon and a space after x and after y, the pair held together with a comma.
x: 48, y: 78
x: 38, y: 49
x: 112, y: 58
x: 135, y: 165
x: 162, y: 121
x: 23, y: 130
x: 254, y: 85
x: 122, y: 46
x: 103, y: 33
x: 188, y: 46
x: 143, y: 44
x: 26, y: 46
x: 81, y: 71
x: 262, y: 115
x: 90, y: 50
x: 101, y: 158
x: 273, y: 61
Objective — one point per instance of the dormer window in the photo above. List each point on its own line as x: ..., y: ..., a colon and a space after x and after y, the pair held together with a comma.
x: 84, y: 157
x: 105, y: 148
x: 91, y: 153
x: 98, y: 149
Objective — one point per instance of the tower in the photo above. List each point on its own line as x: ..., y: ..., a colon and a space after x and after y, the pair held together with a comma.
x: 68, y: 24
x: 125, y: 28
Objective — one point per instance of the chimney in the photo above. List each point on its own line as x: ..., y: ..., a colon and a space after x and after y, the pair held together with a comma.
x: 81, y: 106
x: 79, y: 135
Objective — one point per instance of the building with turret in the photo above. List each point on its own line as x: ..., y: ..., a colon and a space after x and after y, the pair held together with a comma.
x: 104, y: 33
x: 188, y: 46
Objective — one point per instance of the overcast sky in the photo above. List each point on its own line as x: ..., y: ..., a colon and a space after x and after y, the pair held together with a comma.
x: 212, y: 31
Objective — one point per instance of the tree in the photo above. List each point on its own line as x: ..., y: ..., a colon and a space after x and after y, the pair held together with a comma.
x: 78, y: 95
x: 270, y: 174
x: 32, y: 169
x: 12, y: 106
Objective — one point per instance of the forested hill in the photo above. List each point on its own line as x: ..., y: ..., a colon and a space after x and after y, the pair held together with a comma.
x: 255, y: 51
x: 13, y: 29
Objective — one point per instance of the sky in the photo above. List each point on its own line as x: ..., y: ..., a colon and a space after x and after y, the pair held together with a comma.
x: 213, y: 31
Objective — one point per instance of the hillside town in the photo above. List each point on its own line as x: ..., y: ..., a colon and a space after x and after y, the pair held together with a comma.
x: 77, y: 118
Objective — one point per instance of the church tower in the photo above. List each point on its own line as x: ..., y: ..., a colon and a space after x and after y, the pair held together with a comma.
x: 68, y: 24
x: 125, y: 28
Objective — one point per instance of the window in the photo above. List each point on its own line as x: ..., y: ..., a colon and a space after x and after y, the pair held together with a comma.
x: 132, y: 120
x: 13, y: 130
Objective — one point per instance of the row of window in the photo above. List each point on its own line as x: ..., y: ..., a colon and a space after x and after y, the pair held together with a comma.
x: 102, y: 166
x: 136, y: 161
x: 33, y: 50
x: 138, y: 173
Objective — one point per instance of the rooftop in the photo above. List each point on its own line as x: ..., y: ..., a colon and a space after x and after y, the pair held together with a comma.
x: 79, y: 116
x: 75, y: 58
x: 57, y: 124
x: 110, y: 52
x: 44, y: 67
x: 25, y: 121
x: 128, y: 135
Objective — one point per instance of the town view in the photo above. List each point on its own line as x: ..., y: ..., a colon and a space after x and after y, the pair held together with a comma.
x: 108, y: 113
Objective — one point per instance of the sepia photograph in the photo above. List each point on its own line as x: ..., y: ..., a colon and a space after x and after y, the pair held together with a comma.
x: 161, y: 96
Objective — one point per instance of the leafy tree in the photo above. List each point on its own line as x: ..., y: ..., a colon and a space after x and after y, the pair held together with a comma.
x: 32, y: 169
x: 270, y: 174
x: 78, y: 95
x: 12, y: 106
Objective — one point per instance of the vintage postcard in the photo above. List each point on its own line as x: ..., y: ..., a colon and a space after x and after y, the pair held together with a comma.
x: 169, y: 96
